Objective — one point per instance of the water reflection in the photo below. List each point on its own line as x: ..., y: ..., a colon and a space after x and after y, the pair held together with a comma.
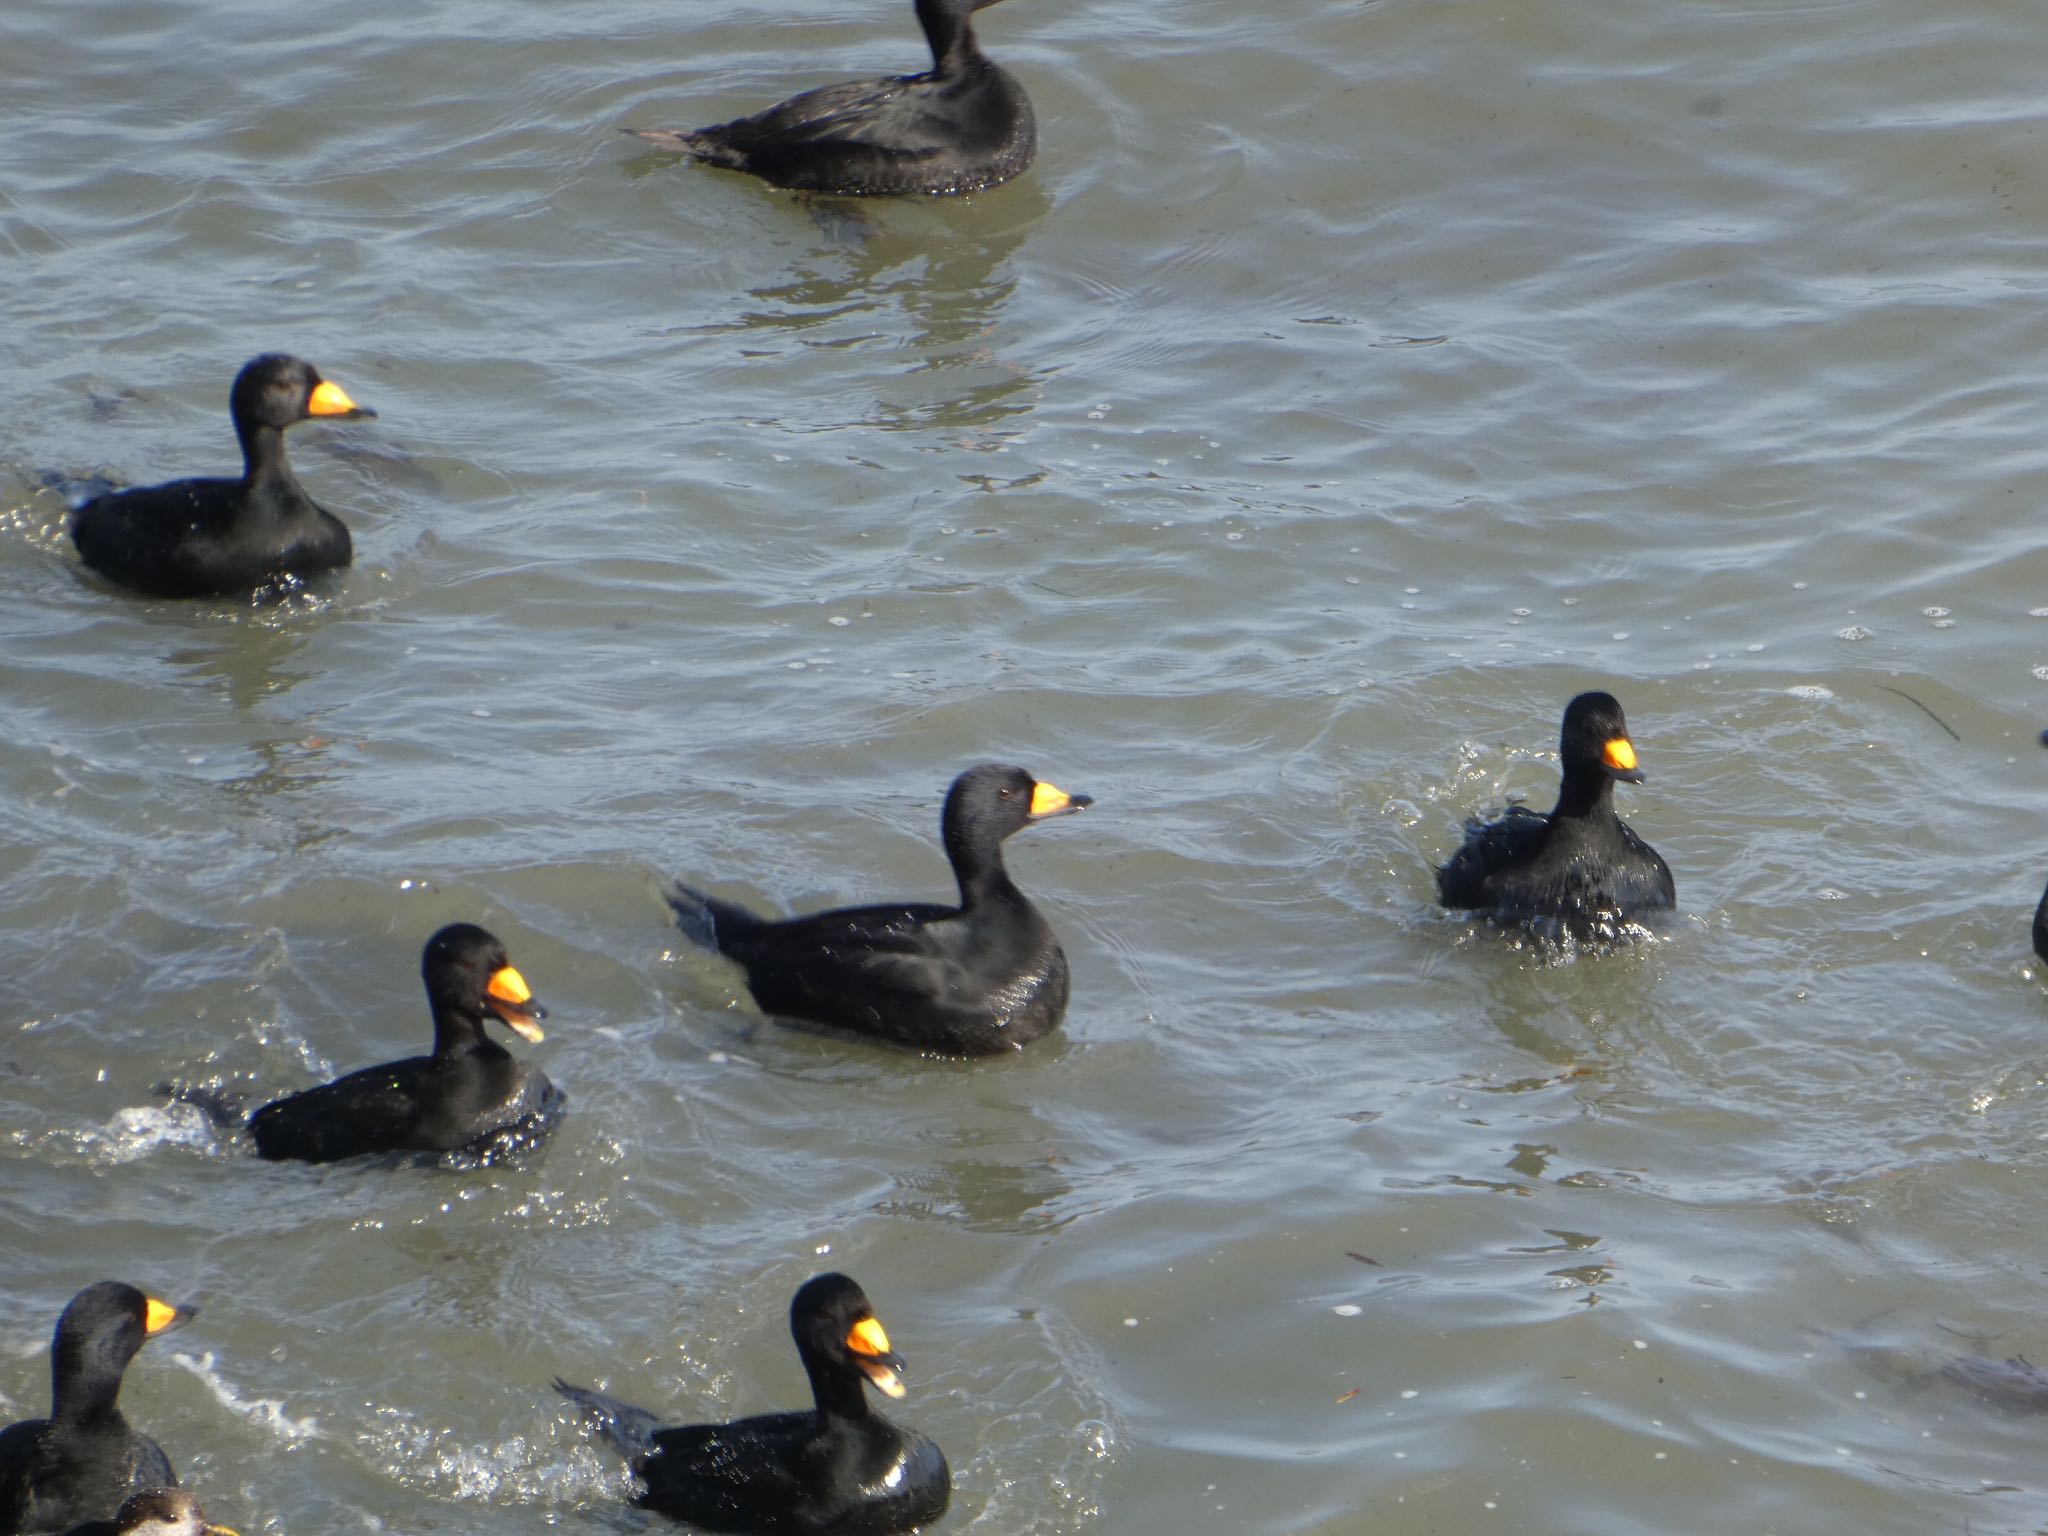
x: 985, y: 1195
x: 251, y: 658
x: 2011, y: 1385
x: 944, y: 267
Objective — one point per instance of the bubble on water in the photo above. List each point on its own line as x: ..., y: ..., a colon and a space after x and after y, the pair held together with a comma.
x: 424, y: 1456
x: 1347, y: 1309
x: 2037, y: 613
x: 138, y: 1131
x: 2041, y: 673
x: 839, y: 621
x: 1811, y: 691
x: 1934, y: 613
x: 1853, y: 632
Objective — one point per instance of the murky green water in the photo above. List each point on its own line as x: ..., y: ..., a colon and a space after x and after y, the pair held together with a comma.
x: 1346, y: 386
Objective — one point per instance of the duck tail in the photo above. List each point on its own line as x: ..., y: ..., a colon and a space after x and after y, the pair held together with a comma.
x: 627, y: 1429
x: 695, y: 914
x: 708, y: 921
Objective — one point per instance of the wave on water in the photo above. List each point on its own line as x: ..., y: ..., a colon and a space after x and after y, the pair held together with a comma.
x: 265, y: 1412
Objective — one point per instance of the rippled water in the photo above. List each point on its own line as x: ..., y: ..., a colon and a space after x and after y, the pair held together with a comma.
x: 1345, y: 387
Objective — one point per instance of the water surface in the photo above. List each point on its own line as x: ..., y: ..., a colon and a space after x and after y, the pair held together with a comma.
x: 1345, y: 387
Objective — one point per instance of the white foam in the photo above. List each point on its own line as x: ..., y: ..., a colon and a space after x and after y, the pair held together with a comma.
x: 265, y: 1412
x: 137, y: 1131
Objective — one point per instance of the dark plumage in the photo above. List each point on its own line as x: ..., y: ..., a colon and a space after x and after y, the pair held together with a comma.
x: 159, y: 1512
x: 210, y: 538
x: 85, y: 1458
x: 472, y: 1095
x: 965, y: 125
x: 2041, y: 911
x: 839, y: 1467
x: 985, y: 976
x: 1579, y: 869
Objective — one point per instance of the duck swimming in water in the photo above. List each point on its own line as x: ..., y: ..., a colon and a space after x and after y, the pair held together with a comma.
x: 159, y: 1512
x: 835, y: 1469
x: 964, y: 125
x: 985, y: 976
x: 85, y: 1458
x: 471, y: 1095
x: 1580, y: 870
x: 215, y: 538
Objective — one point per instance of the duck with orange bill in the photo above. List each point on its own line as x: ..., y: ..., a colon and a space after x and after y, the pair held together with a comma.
x: 85, y: 1458
x: 471, y: 1096
x: 1581, y: 871
x: 836, y: 1469
x: 226, y: 537
x: 986, y: 976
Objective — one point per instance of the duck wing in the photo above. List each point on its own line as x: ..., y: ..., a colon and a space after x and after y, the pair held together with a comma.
x: 374, y: 1110
x: 1513, y: 838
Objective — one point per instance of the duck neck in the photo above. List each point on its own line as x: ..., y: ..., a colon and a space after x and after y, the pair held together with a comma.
x: 839, y: 1394
x: 86, y: 1397
x: 982, y: 875
x: 263, y: 459
x: 951, y: 34
x: 1584, y: 793
x: 459, y: 1031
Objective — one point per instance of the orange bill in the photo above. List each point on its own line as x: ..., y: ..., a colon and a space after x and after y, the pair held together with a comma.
x: 1050, y: 800
x: 869, y: 1345
x: 332, y: 400
x: 509, y: 998
x: 162, y: 1317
